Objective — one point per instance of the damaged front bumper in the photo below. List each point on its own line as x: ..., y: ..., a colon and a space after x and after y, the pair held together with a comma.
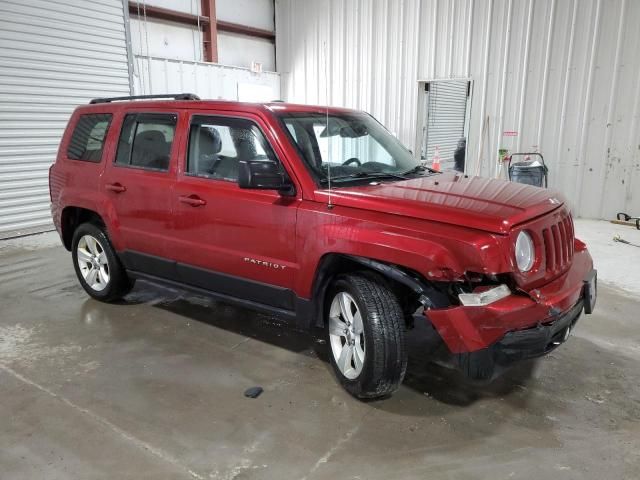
x: 535, y: 341
x: 518, y: 326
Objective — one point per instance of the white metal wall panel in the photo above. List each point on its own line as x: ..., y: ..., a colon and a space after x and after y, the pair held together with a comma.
x: 54, y: 55
x: 253, y: 13
x: 242, y: 51
x: 160, y: 38
x: 563, y: 74
x: 207, y: 80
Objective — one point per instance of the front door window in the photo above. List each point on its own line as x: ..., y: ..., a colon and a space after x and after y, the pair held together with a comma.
x: 218, y: 144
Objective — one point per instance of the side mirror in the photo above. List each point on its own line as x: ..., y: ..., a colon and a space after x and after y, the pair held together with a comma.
x: 264, y: 175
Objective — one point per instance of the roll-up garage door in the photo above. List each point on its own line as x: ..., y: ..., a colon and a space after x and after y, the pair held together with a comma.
x: 54, y: 55
x: 446, y: 116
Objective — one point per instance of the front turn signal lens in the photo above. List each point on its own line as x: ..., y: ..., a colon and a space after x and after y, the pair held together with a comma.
x: 484, y: 298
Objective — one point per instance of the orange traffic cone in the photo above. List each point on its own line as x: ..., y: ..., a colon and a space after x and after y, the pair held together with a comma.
x: 436, y: 160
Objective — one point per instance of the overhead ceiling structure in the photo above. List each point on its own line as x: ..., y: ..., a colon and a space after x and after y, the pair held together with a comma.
x: 207, y: 22
x: 219, y: 50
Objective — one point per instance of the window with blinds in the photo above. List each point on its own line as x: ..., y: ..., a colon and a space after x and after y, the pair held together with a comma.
x: 446, y: 115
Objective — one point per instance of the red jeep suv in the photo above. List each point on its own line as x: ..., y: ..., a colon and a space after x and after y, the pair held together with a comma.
x: 321, y: 215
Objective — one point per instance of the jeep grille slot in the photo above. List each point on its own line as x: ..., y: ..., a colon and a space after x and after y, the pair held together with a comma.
x: 558, y: 245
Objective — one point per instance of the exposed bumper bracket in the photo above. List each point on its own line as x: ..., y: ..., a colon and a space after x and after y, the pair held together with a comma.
x: 590, y: 291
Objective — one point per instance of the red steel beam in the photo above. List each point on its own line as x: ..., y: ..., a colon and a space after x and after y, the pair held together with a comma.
x: 210, y: 31
x: 140, y: 9
x: 246, y: 30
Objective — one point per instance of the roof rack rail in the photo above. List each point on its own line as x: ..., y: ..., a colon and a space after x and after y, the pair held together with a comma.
x: 174, y: 96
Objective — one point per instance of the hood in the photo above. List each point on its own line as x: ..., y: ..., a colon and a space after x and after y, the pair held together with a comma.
x: 476, y: 202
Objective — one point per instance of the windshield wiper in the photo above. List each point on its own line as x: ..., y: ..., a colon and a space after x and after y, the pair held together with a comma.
x: 419, y: 168
x: 366, y: 175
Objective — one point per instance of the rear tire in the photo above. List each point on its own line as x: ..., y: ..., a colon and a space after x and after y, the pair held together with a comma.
x: 97, y: 265
x: 365, y: 329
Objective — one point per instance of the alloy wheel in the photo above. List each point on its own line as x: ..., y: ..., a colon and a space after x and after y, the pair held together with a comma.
x: 93, y: 263
x: 346, y: 335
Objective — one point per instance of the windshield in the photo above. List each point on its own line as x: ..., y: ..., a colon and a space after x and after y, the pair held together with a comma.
x: 349, y: 145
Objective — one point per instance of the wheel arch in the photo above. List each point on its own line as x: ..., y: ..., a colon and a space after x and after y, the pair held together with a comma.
x: 405, y: 282
x: 73, y: 216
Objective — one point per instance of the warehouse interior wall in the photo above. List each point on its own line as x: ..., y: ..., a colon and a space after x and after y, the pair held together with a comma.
x: 157, y: 75
x: 168, y: 56
x: 555, y: 76
x: 176, y: 41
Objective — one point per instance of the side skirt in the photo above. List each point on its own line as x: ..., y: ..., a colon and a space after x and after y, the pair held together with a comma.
x: 289, y: 314
x: 245, y: 293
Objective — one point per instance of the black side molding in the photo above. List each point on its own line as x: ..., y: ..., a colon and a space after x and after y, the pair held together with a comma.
x: 250, y: 293
x: 289, y: 315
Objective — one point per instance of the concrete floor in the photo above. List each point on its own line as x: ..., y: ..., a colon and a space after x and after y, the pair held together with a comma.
x: 153, y: 388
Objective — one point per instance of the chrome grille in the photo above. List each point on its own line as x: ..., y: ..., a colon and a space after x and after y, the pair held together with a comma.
x: 558, y: 245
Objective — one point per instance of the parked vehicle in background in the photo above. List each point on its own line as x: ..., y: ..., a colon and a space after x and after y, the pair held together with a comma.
x: 319, y: 215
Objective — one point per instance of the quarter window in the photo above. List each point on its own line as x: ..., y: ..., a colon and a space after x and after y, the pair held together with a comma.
x: 88, y: 137
x: 146, y: 140
x: 218, y: 144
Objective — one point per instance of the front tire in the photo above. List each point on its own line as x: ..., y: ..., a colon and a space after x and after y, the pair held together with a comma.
x: 365, y: 328
x: 97, y: 265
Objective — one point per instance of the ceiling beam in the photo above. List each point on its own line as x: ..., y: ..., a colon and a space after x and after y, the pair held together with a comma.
x: 139, y: 9
x: 246, y: 30
x: 150, y: 11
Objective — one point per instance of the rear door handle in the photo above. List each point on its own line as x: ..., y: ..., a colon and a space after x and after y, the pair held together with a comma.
x: 115, y: 187
x: 192, y: 200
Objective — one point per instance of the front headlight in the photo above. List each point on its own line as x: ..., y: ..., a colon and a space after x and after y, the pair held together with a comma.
x: 525, y: 253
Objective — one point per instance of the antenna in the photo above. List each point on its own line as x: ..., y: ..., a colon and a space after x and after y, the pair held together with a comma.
x: 326, y: 99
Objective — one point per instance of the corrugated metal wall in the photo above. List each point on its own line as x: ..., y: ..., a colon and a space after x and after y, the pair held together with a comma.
x: 208, y: 80
x: 54, y: 55
x: 563, y: 74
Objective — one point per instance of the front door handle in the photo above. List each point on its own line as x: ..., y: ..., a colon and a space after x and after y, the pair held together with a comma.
x: 115, y: 187
x: 193, y: 200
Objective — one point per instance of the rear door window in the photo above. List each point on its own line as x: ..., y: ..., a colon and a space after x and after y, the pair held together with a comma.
x: 146, y: 140
x: 87, y: 140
